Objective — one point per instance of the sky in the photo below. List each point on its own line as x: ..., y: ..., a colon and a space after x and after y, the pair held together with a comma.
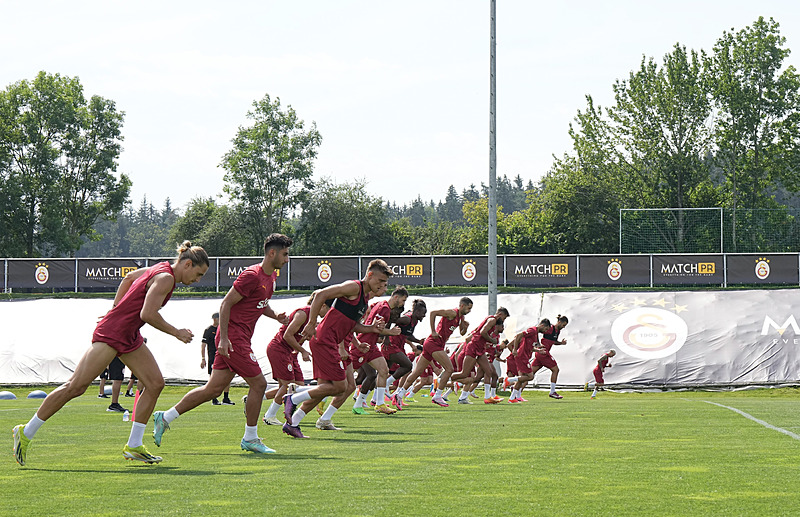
x: 398, y: 90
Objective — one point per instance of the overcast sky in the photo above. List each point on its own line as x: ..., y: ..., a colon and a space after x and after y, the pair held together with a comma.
x: 399, y: 90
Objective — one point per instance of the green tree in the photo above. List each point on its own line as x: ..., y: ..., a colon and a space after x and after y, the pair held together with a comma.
x: 758, y: 128
x: 269, y: 169
x: 343, y: 219
x: 58, y: 158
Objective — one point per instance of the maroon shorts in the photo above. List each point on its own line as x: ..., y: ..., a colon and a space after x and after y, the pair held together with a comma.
x: 598, y: 375
x: 389, y: 349
x: 431, y: 345
x: 242, y: 361
x: 511, y: 366
x: 458, y: 364
x: 328, y: 364
x: 474, y: 350
x: 285, y: 365
x: 121, y: 348
x: 359, y: 359
x: 545, y: 360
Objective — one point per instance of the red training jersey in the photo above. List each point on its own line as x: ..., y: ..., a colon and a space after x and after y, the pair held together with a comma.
x: 280, y: 341
x: 335, y: 326
x: 256, y: 288
x: 381, y: 309
x: 122, y: 323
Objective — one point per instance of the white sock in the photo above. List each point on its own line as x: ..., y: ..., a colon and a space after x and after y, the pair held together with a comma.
x: 438, y: 393
x: 594, y: 393
x: 171, y: 414
x: 487, y: 391
x: 272, y: 412
x: 32, y: 426
x: 137, y: 434
x: 515, y: 393
x: 372, y: 397
x: 552, y: 387
x: 360, y: 400
x: 328, y: 415
x: 400, y: 393
x: 299, y: 398
x: 380, y: 395
x: 447, y: 392
x: 250, y: 432
x: 297, y: 417
x: 494, y: 391
x: 464, y: 394
x: 512, y: 380
x: 389, y: 382
x: 591, y: 384
x: 300, y: 389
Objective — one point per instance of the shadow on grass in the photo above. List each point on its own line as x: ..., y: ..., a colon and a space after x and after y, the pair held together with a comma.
x: 141, y: 469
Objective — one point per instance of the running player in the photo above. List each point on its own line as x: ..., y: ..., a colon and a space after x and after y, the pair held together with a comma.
x: 243, y: 305
x: 433, y: 348
x: 140, y: 296
x: 523, y: 346
x: 327, y: 341
x: 372, y: 359
x: 544, y: 359
x: 395, y: 350
x: 475, y: 351
x: 282, y: 354
x: 602, y: 364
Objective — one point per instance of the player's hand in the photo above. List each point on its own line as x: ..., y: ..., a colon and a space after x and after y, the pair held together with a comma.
x: 379, y: 324
x: 364, y: 347
x: 203, y: 363
x: 309, y: 331
x: 343, y: 355
x: 305, y: 355
x: 563, y: 341
x: 434, y: 334
x: 224, y: 347
x: 282, y: 318
x: 394, y: 331
x: 184, y: 335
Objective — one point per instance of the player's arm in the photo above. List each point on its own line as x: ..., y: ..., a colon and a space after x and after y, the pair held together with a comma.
x: 441, y: 313
x: 160, y: 286
x: 270, y: 313
x: 203, y: 353
x: 345, y: 289
x: 293, y: 328
x: 514, y: 345
x: 486, y: 329
x: 231, y: 298
x: 463, y: 326
x: 376, y: 328
x: 127, y: 282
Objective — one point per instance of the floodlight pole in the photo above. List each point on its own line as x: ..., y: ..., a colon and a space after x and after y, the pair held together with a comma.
x: 492, y: 169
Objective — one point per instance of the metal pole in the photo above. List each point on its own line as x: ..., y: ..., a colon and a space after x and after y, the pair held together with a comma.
x: 492, y: 170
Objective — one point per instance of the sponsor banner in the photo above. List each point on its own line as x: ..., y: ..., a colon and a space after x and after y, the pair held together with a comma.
x: 316, y: 272
x: 541, y: 270
x: 688, y: 269
x: 41, y: 273
x: 612, y: 270
x: 407, y: 270
x: 762, y: 269
x: 231, y: 268
x: 207, y: 280
x: 465, y: 270
x: 107, y: 273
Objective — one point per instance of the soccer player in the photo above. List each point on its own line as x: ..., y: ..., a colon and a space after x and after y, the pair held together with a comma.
x: 602, y: 364
x: 523, y: 346
x: 246, y: 301
x: 326, y: 341
x: 544, y: 359
x: 372, y: 359
x: 433, y: 348
x: 140, y: 296
x: 395, y: 350
x: 282, y: 353
x: 475, y: 352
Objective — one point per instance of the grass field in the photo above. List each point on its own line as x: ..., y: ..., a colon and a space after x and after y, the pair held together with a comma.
x: 622, y: 454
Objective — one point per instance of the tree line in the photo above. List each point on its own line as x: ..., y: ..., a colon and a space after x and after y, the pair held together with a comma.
x: 693, y: 129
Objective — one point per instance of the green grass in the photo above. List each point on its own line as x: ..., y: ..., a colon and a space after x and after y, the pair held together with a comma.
x: 622, y: 454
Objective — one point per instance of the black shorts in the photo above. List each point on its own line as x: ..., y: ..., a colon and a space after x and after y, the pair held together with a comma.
x: 211, y: 357
x: 114, y: 370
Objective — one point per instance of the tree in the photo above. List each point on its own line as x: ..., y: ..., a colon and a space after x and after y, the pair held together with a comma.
x: 758, y: 128
x: 270, y: 167
x: 58, y: 155
x: 342, y: 219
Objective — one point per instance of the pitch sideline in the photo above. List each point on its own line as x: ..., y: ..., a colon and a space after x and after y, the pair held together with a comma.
x: 756, y: 420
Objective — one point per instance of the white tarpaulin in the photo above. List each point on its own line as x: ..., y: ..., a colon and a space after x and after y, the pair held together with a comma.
x: 661, y: 338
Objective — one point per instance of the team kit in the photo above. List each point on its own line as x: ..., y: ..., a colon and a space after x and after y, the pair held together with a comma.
x: 361, y: 351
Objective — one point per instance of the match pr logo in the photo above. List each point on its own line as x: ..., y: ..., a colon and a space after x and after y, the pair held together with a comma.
x: 762, y: 268
x: 614, y: 270
x: 41, y: 274
x: 468, y: 270
x: 324, y: 271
